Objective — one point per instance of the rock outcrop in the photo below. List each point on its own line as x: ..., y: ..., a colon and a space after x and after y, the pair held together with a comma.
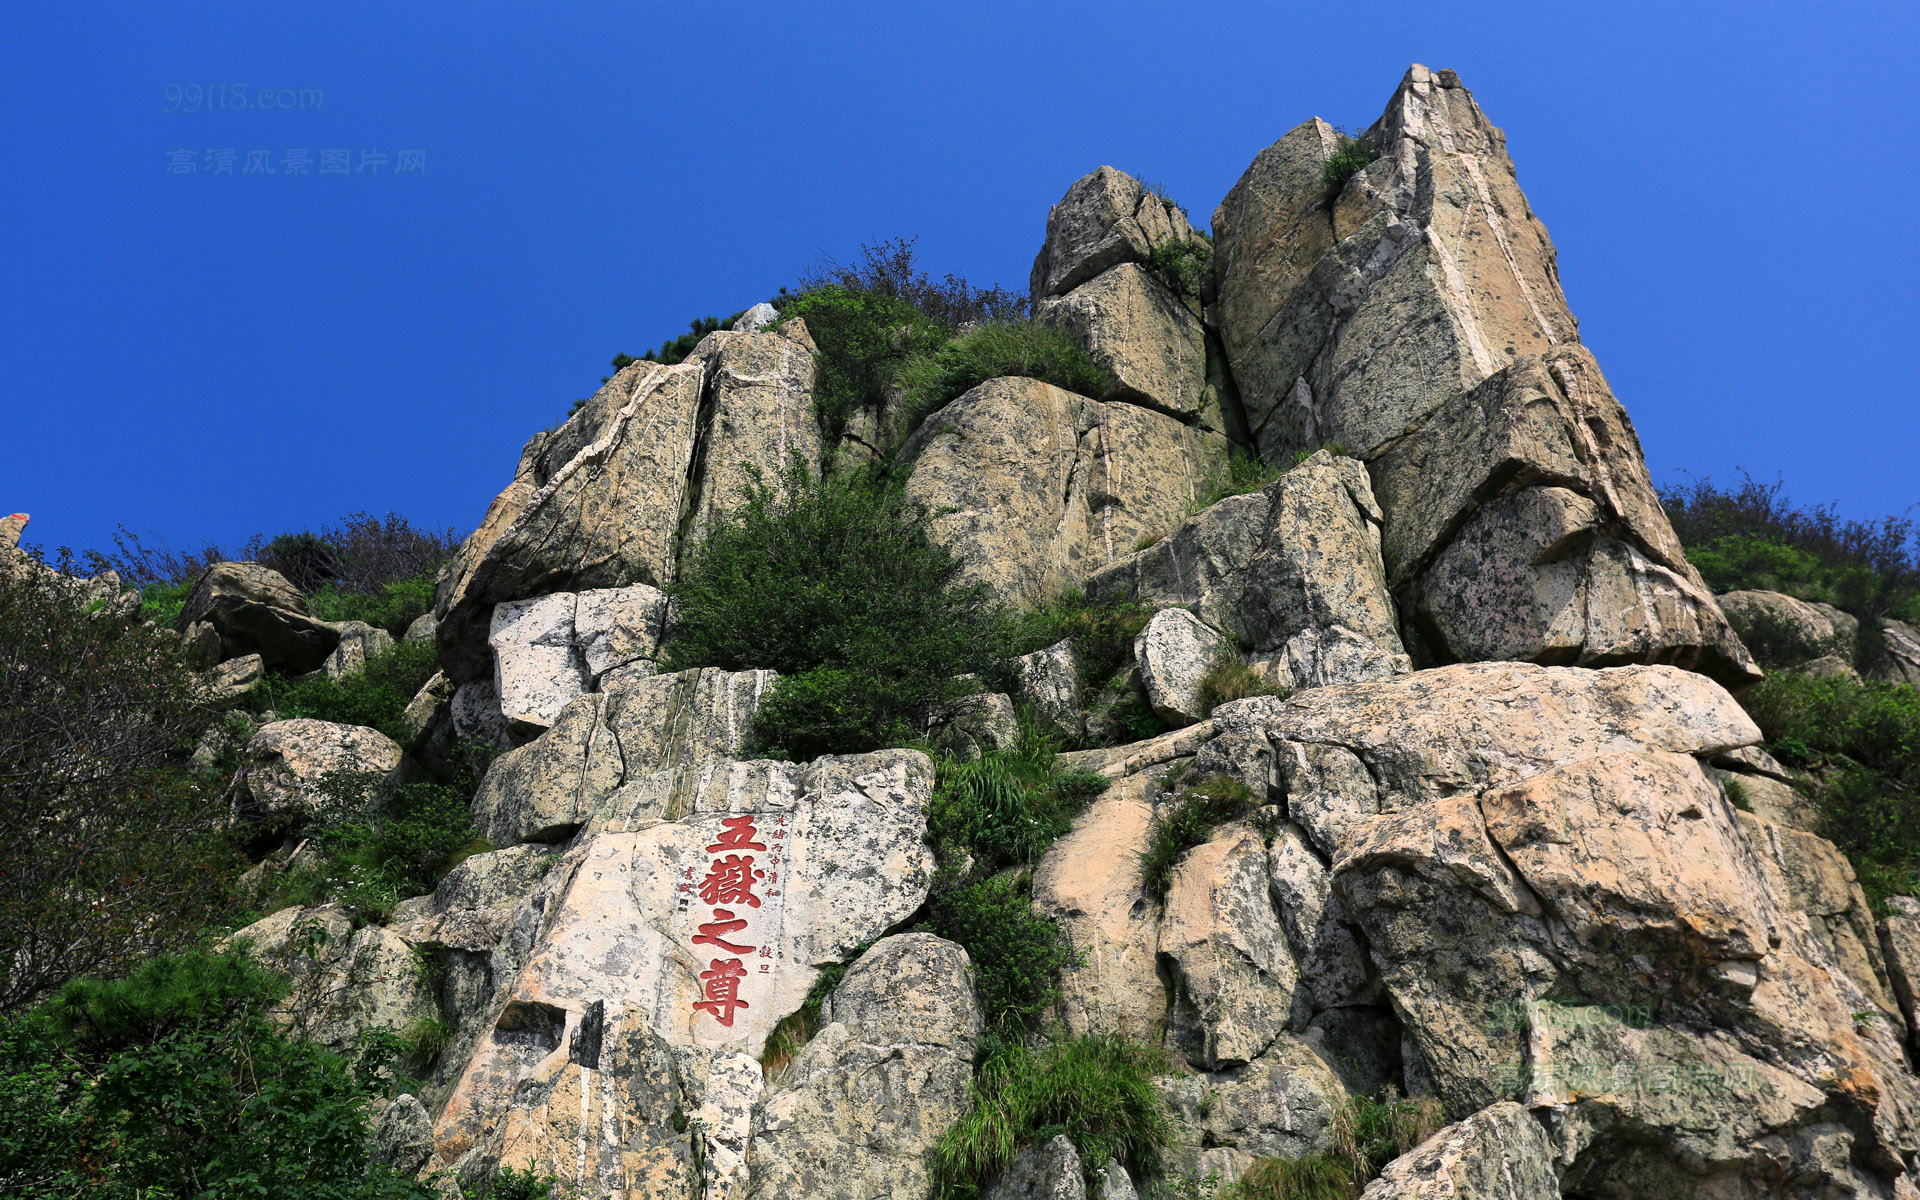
x: 254, y: 610
x: 1039, y: 488
x: 1412, y: 315
x: 607, y: 500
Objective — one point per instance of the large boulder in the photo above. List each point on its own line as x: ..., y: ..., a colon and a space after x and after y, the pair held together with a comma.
x: 1548, y: 884
x: 1783, y: 631
x: 613, y: 497
x: 551, y: 649
x: 637, y: 753
x: 1413, y: 316
x: 1106, y: 218
x: 254, y: 610
x: 1038, y: 488
x: 1152, y: 344
x: 345, y: 981
x: 287, y: 765
x: 1292, y: 571
x: 857, y: 1113
x: 1226, y: 951
x: 1341, y: 756
x: 1900, y: 662
x: 702, y: 930
x: 1089, y: 882
x: 1175, y: 651
x: 1498, y: 1153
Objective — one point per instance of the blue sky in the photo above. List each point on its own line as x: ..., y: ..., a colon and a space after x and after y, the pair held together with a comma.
x: 206, y: 356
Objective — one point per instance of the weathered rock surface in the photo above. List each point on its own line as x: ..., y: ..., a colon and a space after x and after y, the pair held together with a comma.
x: 1235, y: 972
x: 256, y: 611
x: 1341, y: 756
x: 856, y: 1113
x: 834, y: 856
x: 1782, y: 631
x: 1105, y: 219
x: 645, y: 751
x: 1282, y: 1105
x: 1038, y: 488
x: 1175, y: 651
x: 1089, y: 881
x: 551, y: 649
x: 1416, y: 319
x: 1292, y: 570
x: 1154, y: 347
x: 1050, y: 680
x: 287, y: 762
x: 606, y: 500
x: 358, y: 642
x: 1499, y: 1153
x: 1049, y: 1171
x: 1902, y: 659
x: 227, y: 684
x: 345, y: 980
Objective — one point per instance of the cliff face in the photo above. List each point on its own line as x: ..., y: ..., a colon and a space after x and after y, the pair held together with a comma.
x: 1489, y: 860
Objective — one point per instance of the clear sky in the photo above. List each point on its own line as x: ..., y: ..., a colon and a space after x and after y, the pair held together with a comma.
x: 1731, y: 188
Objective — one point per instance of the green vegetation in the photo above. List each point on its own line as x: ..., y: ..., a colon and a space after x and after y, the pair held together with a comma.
x: 396, y: 604
x: 1245, y: 474
x: 380, y: 842
x: 509, y: 1184
x: 110, y: 846
x: 797, y: 1028
x: 930, y: 380
x: 375, y: 698
x: 1182, y: 265
x: 838, y: 583
x: 1351, y: 157
x: 1006, y: 808
x: 1098, y: 1091
x: 1229, y: 678
x: 1185, y: 820
x: 1320, y: 1177
x: 1102, y: 633
x: 176, y: 1082
x: 865, y: 338
x: 1017, y: 953
x: 1752, y: 536
x: 1859, y: 741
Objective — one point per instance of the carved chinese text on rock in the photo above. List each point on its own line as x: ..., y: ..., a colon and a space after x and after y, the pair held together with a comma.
x: 730, y: 906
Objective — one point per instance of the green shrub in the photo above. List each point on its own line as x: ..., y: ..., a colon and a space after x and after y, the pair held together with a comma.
x: 509, y: 1184
x: 933, y: 379
x: 1008, y: 806
x: 161, y: 602
x: 395, y: 605
x: 1245, y: 473
x: 864, y: 337
x: 1355, y: 151
x: 175, y: 1081
x: 1017, y: 954
x: 1860, y: 741
x: 1181, y: 265
x: 375, y: 698
x: 1371, y: 1131
x: 1102, y: 634
x: 1319, y: 1177
x: 838, y: 583
x: 381, y: 842
x: 1098, y: 1091
x: 110, y: 845
x: 1229, y: 678
x: 1184, y: 821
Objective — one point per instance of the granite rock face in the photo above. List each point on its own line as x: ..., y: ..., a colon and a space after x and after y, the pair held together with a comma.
x: 1414, y: 316
x: 254, y: 610
x: 1106, y: 218
x: 1038, y: 488
x: 1293, y: 571
x: 286, y: 764
x: 856, y: 1113
x: 607, y: 500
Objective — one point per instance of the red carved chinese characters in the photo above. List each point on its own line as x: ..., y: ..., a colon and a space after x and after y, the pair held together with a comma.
x: 739, y: 835
x: 730, y: 881
x: 710, y: 932
x: 722, y: 980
